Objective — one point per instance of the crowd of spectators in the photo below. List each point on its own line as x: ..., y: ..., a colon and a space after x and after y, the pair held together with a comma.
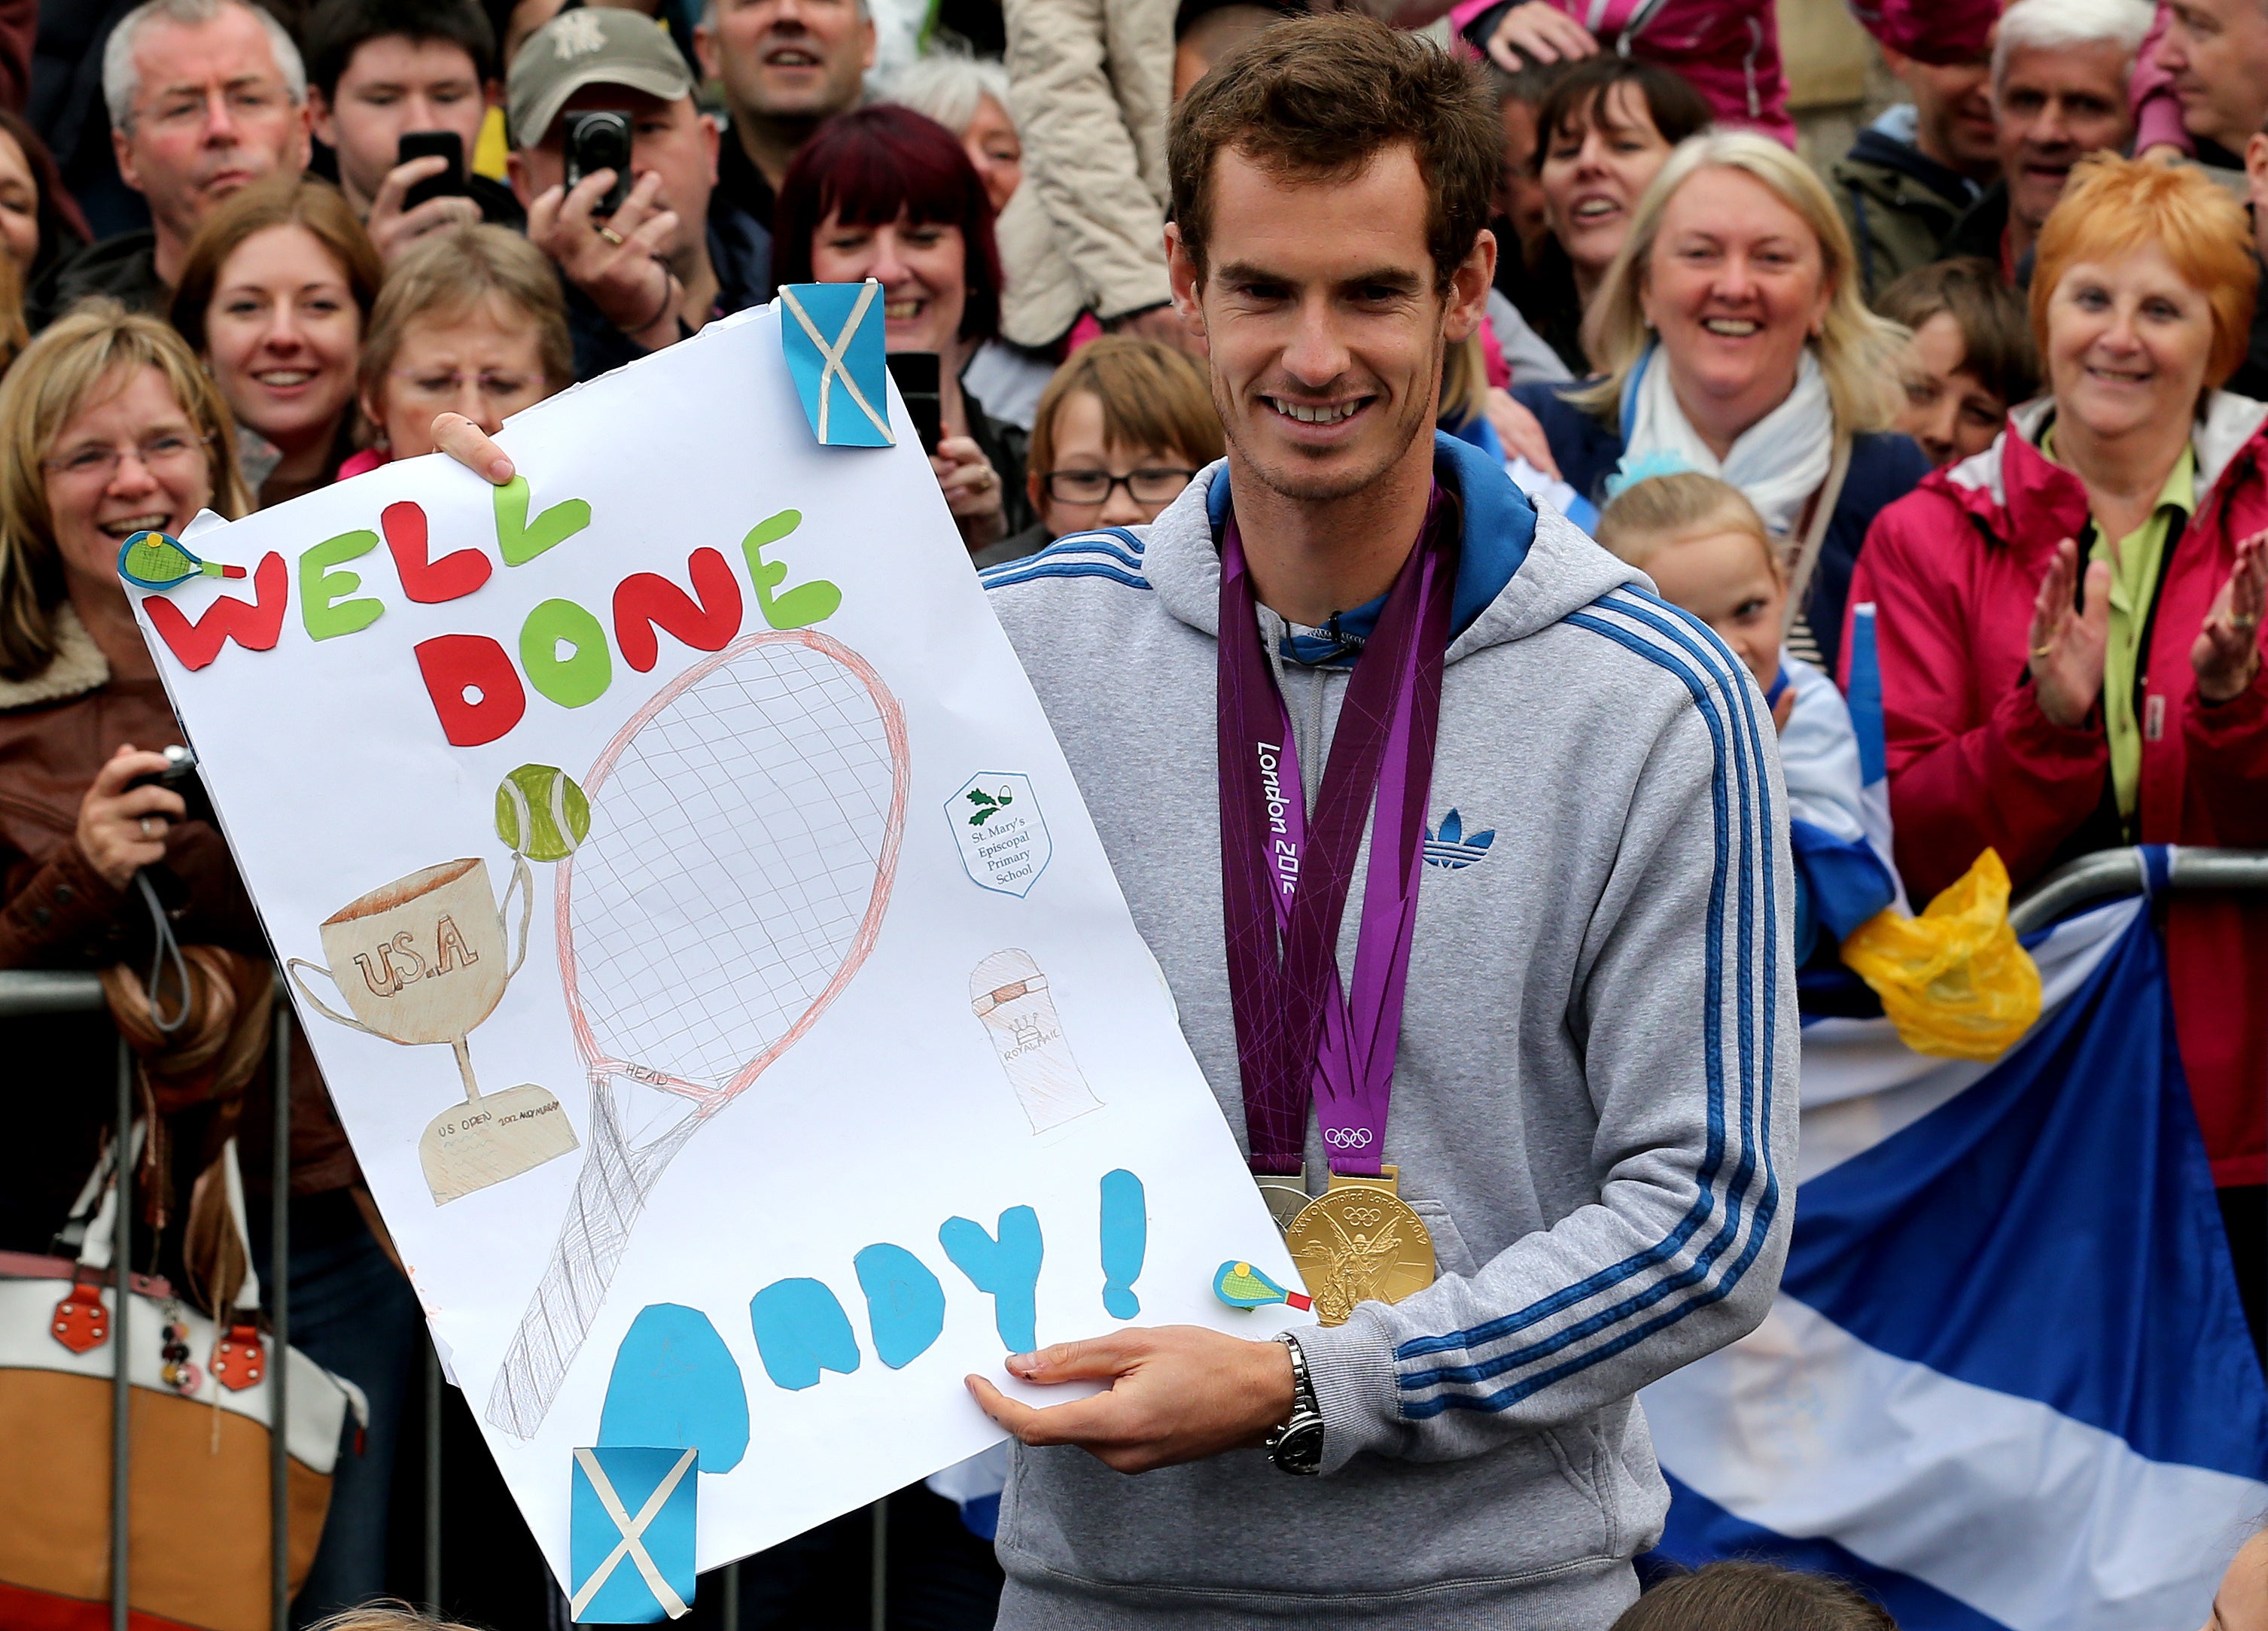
x: 1998, y: 373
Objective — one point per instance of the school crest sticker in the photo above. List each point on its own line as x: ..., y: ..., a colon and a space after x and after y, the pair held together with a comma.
x: 1003, y: 838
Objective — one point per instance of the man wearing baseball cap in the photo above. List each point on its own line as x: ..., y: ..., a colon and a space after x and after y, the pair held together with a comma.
x: 672, y: 256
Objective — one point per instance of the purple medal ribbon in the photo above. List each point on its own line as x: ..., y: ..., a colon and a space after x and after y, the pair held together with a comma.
x: 1284, y: 878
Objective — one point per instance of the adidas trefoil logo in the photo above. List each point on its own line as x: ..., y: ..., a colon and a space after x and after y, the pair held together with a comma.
x: 1452, y: 846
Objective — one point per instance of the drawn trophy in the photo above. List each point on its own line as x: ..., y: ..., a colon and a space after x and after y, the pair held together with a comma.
x: 423, y: 959
x: 1010, y: 995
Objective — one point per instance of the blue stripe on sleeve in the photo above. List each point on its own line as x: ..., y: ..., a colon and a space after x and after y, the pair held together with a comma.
x: 1708, y: 671
x: 1009, y: 574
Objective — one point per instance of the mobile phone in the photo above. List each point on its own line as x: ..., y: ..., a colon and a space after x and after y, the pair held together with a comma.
x: 432, y: 144
x: 601, y: 140
x: 180, y: 775
x: 916, y: 374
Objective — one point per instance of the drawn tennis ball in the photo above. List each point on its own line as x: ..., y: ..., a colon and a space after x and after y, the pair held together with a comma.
x: 540, y: 813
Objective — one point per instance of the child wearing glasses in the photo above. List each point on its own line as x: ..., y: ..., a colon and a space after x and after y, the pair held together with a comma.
x: 1118, y: 433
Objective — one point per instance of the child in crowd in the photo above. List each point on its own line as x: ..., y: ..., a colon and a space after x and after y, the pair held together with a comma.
x: 1118, y: 433
x: 1706, y: 549
x: 2241, y: 1603
x: 387, y: 1616
x: 1972, y: 357
x: 1754, y: 1596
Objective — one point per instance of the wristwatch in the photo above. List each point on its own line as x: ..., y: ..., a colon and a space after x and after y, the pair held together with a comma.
x: 1297, y: 1447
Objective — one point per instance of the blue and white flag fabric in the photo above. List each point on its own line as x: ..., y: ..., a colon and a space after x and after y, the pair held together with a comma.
x: 976, y: 1486
x: 2006, y: 1382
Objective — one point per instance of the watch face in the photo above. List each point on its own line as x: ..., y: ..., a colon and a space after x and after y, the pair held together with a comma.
x: 1300, y: 1449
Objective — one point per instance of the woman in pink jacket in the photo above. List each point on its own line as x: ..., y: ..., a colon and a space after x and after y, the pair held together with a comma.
x: 1729, y: 49
x: 2069, y: 623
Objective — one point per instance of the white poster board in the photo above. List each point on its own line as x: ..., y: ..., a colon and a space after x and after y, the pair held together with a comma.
x: 749, y: 932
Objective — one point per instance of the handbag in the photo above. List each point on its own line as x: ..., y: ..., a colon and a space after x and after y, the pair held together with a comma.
x: 201, y: 1405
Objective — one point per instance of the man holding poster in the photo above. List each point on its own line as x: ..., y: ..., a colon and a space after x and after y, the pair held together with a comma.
x: 1583, y: 1024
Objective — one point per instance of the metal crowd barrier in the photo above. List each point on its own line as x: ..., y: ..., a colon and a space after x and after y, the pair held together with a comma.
x: 27, y: 993
x: 2142, y: 869
x: 24, y: 993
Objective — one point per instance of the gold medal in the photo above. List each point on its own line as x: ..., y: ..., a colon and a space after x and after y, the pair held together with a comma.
x: 1360, y: 1242
x: 1286, y: 1195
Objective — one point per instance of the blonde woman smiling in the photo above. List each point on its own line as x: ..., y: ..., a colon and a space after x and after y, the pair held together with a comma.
x: 1733, y: 341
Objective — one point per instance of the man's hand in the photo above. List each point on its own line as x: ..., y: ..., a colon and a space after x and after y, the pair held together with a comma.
x: 394, y: 229
x: 616, y: 261
x: 1177, y: 1393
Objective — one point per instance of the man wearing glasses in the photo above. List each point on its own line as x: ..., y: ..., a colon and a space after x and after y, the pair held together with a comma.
x: 205, y: 97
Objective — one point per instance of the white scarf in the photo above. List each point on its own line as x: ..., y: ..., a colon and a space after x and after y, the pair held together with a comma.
x: 1778, y: 462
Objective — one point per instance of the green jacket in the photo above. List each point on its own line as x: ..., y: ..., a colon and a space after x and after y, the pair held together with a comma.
x: 1899, y: 205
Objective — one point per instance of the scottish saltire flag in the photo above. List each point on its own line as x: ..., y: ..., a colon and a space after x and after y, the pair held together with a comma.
x: 2006, y: 1383
x: 975, y: 1486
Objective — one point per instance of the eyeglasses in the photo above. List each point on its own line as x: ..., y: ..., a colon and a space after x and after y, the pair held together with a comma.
x: 97, y: 462
x: 446, y: 388
x: 187, y: 108
x: 1095, y: 486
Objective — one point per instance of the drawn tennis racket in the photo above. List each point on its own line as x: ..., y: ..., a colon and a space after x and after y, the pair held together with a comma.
x: 744, y: 836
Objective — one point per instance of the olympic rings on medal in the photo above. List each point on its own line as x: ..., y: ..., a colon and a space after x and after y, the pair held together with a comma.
x: 1347, y: 1137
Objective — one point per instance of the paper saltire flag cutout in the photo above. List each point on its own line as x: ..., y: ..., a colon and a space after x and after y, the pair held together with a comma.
x: 831, y: 335
x: 631, y: 1539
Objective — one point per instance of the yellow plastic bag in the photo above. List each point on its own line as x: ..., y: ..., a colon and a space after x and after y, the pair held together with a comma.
x: 1954, y: 981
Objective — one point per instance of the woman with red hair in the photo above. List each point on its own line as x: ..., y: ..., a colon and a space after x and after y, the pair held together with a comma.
x: 2069, y: 623
x: 884, y: 193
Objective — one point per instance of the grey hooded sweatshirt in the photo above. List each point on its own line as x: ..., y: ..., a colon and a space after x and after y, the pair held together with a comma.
x: 1594, y: 1097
